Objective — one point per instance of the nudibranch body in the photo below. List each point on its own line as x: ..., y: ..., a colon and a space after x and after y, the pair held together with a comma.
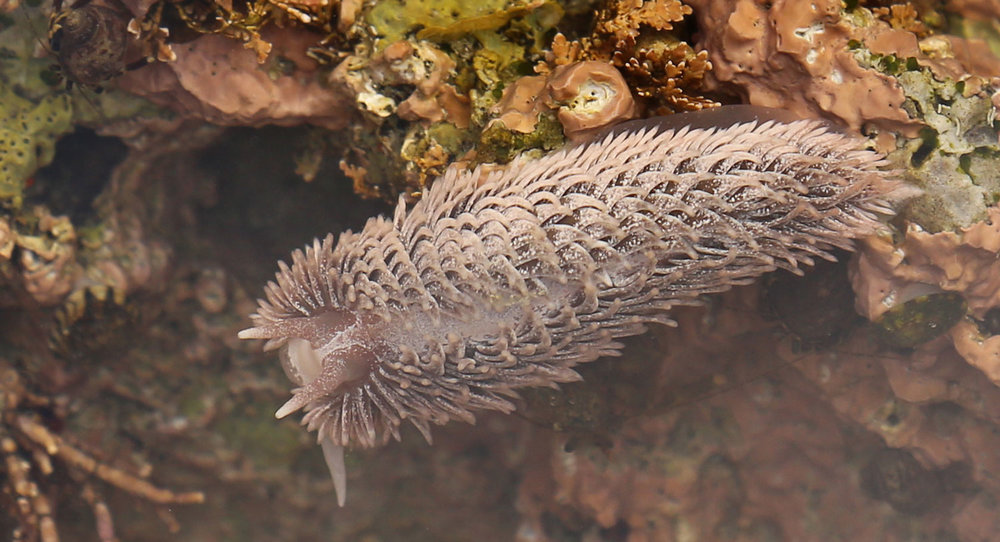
x: 497, y: 281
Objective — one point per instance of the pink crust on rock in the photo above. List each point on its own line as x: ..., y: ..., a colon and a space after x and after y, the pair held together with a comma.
x: 795, y: 56
x: 888, y: 273
x: 486, y: 287
x: 217, y: 79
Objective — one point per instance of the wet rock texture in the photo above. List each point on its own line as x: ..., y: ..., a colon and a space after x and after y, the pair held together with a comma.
x: 849, y: 440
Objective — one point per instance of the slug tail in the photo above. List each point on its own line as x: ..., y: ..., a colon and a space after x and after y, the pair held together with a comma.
x: 334, y: 456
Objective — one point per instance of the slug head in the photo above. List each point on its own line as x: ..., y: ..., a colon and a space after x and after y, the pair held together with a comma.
x: 325, y: 354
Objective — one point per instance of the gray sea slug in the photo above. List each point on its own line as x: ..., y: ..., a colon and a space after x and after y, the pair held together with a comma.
x: 496, y: 281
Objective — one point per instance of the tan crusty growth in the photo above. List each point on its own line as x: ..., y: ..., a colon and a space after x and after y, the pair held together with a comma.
x: 495, y: 282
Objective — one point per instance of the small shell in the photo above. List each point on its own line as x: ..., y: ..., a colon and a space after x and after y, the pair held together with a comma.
x: 590, y: 95
x: 493, y: 282
x: 90, y: 43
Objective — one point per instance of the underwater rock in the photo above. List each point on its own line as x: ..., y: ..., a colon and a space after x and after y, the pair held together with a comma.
x: 215, y: 79
x: 795, y: 56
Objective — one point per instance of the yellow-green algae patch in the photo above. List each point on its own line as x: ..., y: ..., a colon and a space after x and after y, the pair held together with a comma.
x: 28, y: 134
x: 497, y: 143
x: 438, y: 20
x: 921, y: 319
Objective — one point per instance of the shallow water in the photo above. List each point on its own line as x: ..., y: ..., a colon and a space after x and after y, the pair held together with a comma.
x: 773, y: 412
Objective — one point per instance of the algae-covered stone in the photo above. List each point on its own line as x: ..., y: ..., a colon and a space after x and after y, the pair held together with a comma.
x: 955, y: 160
x: 28, y: 134
x: 497, y: 143
x: 429, y: 151
x: 920, y: 319
x: 393, y: 20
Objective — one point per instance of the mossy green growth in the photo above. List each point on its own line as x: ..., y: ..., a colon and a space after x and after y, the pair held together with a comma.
x: 506, y: 31
x: 254, y: 432
x: 28, y: 135
x: 492, y: 61
x: 920, y: 319
x: 445, y: 20
x: 497, y: 143
x: 448, y: 136
x: 985, y: 29
x: 500, y: 60
x: 956, y: 160
x: 392, y: 20
x: 956, y: 157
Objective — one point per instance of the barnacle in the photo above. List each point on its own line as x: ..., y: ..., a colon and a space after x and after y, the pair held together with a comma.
x: 586, y: 97
x: 590, y: 96
x: 634, y: 35
x: 89, y: 42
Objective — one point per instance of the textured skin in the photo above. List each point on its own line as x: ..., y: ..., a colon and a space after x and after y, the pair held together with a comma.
x: 497, y: 281
x: 90, y: 42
